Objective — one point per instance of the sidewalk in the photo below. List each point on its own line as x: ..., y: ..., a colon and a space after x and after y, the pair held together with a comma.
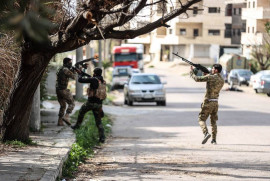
x: 43, y: 161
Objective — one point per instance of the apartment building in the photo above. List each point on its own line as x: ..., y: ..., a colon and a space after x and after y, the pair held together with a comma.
x: 199, y: 36
x: 234, y: 9
x: 256, y: 14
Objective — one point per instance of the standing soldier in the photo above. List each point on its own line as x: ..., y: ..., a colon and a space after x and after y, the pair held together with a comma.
x: 214, y: 83
x: 96, y: 94
x: 63, y: 94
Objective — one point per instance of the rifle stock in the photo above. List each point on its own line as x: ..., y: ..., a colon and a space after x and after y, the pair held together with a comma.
x: 198, y: 66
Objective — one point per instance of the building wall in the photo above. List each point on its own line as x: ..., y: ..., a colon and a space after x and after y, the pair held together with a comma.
x: 256, y: 14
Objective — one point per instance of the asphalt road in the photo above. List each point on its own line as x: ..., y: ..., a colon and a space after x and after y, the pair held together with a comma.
x: 152, y: 142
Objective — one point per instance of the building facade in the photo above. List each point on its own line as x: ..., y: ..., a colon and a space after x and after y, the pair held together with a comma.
x: 256, y: 14
x: 200, y: 35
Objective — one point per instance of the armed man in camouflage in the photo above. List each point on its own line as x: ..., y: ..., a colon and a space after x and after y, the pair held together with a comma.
x: 94, y: 101
x: 214, y: 83
x: 63, y: 94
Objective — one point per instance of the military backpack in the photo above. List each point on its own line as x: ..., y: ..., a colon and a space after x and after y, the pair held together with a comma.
x: 100, y: 92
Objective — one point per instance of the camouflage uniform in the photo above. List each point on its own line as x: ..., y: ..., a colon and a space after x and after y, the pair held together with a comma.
x: 93, y: 103
x: 214, y: 83
x: 63, y: 94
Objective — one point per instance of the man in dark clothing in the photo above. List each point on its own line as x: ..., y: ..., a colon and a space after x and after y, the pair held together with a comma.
x: 93, y: 103
x: 64, y: 95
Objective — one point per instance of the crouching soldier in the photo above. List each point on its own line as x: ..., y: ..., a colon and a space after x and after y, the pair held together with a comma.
x: 64, y: 95
x: 96, y: 94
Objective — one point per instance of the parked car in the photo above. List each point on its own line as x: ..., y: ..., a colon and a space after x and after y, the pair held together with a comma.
x: 260, y: 81
x: 121, y: 75
x: 143, y: 87
x: 239, y: 77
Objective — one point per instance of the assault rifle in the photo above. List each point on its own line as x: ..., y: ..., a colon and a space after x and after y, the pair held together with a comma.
x: 83, y: 63
x: 198, y: 66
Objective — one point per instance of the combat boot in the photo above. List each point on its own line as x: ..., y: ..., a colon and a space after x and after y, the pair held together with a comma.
x: 60, y: 122
x: 101, y: 133
x: 76, y: 126
x: 66, y: 119
x: 213, y: 142
x: 206, y: 137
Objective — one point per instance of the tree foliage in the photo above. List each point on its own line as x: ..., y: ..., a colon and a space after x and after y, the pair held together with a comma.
x: 261, y: 53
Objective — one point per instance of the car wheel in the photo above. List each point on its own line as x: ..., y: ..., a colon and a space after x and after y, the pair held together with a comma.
x: 112, y: 88
x: 256, y: 90
x: 247, y: 84
x: 129, y: 102
x: 231, y: 84
x: 239, y: 84
x: 163, y: 103
x: 125, y: 101
x: 268, y: 94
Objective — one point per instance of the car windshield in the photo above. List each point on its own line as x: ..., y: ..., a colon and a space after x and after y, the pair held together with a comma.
x: 125, y: 57
x: 145, y: 79
x: 245, y: 73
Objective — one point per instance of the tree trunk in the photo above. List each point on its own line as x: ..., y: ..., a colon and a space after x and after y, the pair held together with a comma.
x: 16, y: 115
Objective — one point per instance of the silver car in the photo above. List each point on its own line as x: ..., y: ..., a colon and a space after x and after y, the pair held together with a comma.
x: 263, y: 85
x: 257, y: 80
x: 239, y: 77
x: 144, y: 87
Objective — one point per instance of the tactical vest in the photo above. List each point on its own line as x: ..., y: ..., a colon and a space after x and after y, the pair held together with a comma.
x: 100, y: 92
x: 62, y: 79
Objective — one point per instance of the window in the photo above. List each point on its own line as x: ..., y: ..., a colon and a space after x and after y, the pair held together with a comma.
x: 213, y: 10
x: 248, y: 4
x: 239, y: 32
x: 228, y: 30
x: 253, y: 4
x: 252, y: 29
x: 228, y: 10
x: 196, y: 32
x: 233, y: 31
x: 170, y: 31
x: 234, y: 11
x: 240, y: 11
x: 248, y: 29
x: 213, y: 32
x: 183, y: 31
x: 195, y: 10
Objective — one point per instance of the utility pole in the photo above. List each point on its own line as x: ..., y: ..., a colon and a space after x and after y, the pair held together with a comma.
x: 35, y: 121
x: 79, y: 86
x: 99, y: 54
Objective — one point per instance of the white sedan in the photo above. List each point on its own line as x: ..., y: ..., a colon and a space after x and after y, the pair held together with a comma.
x: 256, y: 80
x: 143, y: 87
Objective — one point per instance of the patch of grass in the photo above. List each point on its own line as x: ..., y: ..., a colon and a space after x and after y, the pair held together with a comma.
x: 151, y: 66
x: 20, y: 144
x: 86, y: 139
x: 15, y: 143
